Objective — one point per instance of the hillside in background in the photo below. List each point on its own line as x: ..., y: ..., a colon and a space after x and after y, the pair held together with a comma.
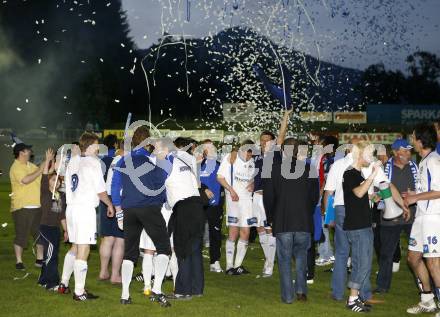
x: 195, y: 76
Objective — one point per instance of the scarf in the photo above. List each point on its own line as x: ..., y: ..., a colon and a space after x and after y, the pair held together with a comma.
x: 389, y: 166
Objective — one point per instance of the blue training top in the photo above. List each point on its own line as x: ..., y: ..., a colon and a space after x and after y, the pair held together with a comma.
x: 208, y: 177
x: 153, y: 179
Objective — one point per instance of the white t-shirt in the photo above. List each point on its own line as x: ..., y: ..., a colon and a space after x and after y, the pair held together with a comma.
x: 239, y: 175
x: 428, y: 179
x: 336, y: 173
x: 380, y: 177
x: 84, y: 181
x: 335, y: 177
x: 108, y: 182
x: 182, y: 181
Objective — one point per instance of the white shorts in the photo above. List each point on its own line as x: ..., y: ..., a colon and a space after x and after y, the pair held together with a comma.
x: 425, y: 235
x: 239, y: 213
x: 145, y: 241
x: 259, y: 211
x: 81, y: 224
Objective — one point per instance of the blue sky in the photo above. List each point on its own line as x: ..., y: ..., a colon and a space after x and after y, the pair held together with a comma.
x: 351, y: 33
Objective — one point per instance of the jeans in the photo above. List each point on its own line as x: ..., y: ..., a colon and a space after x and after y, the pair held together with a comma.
x: 342, y: 252
x: 361, y: 243
x: 190, y: 279
x: 292, y: 244
x: 311, y: 256
x: 390, y: 237
x: 325, y: 249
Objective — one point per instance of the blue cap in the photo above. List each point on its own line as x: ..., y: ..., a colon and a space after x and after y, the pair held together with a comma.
x: 401, y: 143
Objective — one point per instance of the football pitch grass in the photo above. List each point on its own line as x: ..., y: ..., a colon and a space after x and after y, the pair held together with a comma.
x: 224, y: 295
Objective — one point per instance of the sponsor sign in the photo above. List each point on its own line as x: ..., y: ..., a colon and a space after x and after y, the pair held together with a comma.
x: 314, y: 116
x: 350, y: 117
x: 402, y: 114
x: 376, y: 138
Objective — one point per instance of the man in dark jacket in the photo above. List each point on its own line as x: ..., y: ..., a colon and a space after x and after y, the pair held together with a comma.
x: 290, y: 197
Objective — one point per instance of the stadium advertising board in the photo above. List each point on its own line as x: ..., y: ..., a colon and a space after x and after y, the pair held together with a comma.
x: 314, y: 116
x: 402, y: 114
x: 376, y: 138
x: 350, y: 117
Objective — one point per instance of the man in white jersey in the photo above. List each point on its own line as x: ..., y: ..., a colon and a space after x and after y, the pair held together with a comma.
x: 424, y: 241
x: 85, y: 187
x: 236, y: 174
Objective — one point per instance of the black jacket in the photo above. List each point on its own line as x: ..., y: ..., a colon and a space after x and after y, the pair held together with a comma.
x: 290, y: 203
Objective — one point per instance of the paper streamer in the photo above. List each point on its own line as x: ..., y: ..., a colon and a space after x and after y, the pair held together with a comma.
x: 58, y: 172
x: 127, y: 125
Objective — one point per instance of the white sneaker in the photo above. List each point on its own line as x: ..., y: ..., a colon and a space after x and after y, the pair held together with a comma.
x: 396, y: 267
x: 216, y: 267
x: 426, y: 307
x: 332, y: 259
x: 322, y: 262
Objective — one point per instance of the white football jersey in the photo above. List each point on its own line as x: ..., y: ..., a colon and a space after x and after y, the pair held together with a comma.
x: 84, y: 181
x: 428, y: 179
x: 239, y: 175
x: 182, y: 181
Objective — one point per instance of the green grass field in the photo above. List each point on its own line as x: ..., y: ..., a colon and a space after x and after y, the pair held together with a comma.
x: 224, y: 295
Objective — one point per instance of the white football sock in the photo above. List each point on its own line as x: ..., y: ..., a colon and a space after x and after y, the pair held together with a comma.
x: 230, y: 250
x: 351, y: 299
x: 80, y: 274
x: 147, y: 270
x: 426, y: 297
x: 154, y: 261
x: 127, y: 273
x: 174, y: 267
x: 160, y: 268
x: 262, y: 236
x: 272, y: 247
x: 241, y: 252
x: 69, y: 260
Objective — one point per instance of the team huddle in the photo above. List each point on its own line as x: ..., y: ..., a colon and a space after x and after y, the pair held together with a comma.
x: 155, y: 196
